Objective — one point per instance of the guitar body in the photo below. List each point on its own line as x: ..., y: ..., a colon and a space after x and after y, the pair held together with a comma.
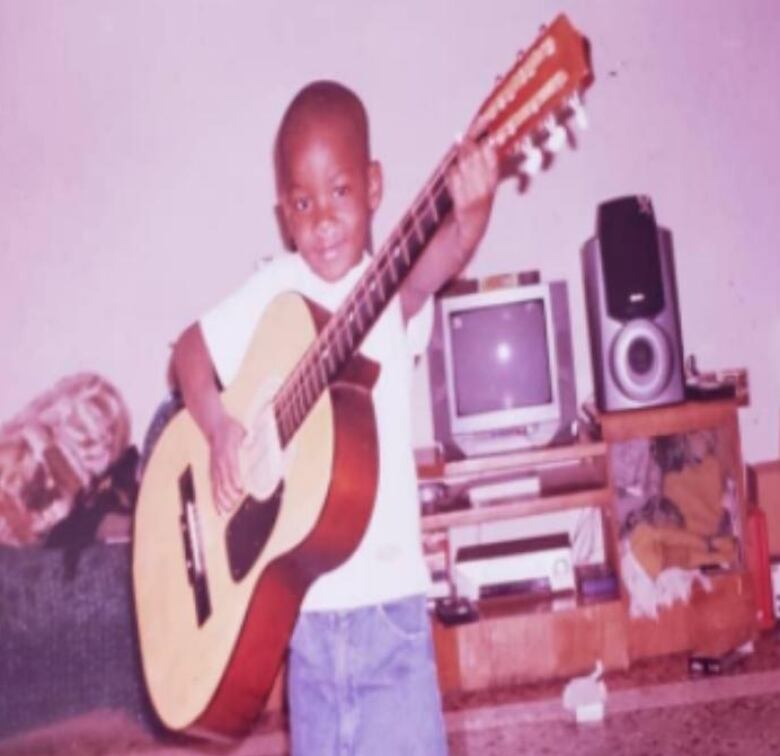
x: 217, y: 596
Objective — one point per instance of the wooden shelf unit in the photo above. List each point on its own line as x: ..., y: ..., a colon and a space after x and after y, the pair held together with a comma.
x: 516, y: 641
x: 711, y: 622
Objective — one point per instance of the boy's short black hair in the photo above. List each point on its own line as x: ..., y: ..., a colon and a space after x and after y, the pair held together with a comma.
x: 321, y: 99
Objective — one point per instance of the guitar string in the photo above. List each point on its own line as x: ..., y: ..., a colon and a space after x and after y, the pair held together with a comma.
x: 293, y: 402
x: 311, y: 374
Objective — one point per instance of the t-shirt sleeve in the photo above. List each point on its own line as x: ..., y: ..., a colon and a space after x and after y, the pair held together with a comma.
x: 419, y: 329
x: 229, y: 326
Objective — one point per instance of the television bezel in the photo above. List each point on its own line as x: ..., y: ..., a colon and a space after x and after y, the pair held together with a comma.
x: 519, y: 420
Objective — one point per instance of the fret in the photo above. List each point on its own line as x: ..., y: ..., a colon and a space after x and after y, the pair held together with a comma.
x: 343, y: 334
x: 366, y: 300
x: 297, y: 408
x: 391, y: 260
x: 303, y: 404
x: 345, y: 329
x: 351, y: 325
x: 387, y: 275
x: 323, y: 368
x: 365, y: 308
x: 398, y: 259
x: 433, y: 213
x: 339, y: 346
x: 419, y: 232
x: 428, y: 218
x: 300, y: 400
x: 441, y: 198
x: 332, y: 361
x: 307, y: 391
x: 374, y: 290
x: 409, y: 234
x: 357, y: 316
x: 355, y: 313
x: 378, y: 288
x: 406, y: 252
x: 289, y: 420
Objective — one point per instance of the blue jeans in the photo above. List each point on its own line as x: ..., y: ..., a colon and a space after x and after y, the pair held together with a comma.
x: 363, y: 683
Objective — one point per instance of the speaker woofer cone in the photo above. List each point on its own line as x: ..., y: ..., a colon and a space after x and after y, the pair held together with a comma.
x: 641, y: 360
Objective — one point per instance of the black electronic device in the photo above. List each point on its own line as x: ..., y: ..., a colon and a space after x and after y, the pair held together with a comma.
x: 456, y: 611
x: 632, y: 308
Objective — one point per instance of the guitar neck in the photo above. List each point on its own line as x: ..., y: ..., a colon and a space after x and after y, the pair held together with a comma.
x: 344, y: 333
x: 542, y: 86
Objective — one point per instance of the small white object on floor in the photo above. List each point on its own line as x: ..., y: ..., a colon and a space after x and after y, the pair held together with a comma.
x: 585, y: 696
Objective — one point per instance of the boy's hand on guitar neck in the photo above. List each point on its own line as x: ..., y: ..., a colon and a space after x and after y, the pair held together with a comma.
x: 472, y: 179
x: 472, y: 183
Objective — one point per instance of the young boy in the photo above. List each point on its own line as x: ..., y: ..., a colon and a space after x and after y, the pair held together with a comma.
x: 362, y: 677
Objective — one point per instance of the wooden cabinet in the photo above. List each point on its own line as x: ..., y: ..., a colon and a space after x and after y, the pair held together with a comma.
x: 536, y: 636
x: 519, y: 639
x: 698, y: 446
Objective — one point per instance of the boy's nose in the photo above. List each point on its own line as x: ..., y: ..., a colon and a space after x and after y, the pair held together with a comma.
x: 324, y: 220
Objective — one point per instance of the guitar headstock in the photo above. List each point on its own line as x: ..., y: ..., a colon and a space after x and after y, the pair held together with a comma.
x: 532, y: 101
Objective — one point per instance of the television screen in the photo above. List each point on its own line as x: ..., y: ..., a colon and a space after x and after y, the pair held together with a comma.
x: 500, y: 357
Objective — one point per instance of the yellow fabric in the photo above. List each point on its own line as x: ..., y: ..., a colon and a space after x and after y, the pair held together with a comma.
x: 697, y: 492
x: 658, y: 548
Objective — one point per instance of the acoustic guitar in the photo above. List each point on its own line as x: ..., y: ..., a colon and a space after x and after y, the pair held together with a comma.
x: 217, y: 596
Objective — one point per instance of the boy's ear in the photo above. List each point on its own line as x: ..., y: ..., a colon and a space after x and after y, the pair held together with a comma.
x: 374, y: 184
x: 284, y: 230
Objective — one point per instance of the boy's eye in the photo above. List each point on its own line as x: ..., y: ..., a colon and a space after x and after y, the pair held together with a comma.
x: 301, y: 204
x: 341, y: 190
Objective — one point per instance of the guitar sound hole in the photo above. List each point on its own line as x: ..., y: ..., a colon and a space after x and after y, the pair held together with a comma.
x: 248, y: 531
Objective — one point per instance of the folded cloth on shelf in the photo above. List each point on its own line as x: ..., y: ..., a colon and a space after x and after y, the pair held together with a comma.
x: 657, y: 548
x: 697, y: 490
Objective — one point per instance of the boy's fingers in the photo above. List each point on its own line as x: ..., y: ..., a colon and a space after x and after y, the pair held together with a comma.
x: 476, y: 168
x: 227, y: 485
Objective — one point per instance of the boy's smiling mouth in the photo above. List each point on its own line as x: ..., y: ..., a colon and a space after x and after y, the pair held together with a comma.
x: 331, y: 252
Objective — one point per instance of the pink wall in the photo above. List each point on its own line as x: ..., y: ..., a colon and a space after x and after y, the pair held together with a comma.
x: 134, y: 164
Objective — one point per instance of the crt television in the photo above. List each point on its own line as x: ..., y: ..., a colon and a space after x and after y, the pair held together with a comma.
x: 501, y: 370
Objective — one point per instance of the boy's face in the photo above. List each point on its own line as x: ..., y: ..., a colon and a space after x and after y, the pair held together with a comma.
x: 329, y: 191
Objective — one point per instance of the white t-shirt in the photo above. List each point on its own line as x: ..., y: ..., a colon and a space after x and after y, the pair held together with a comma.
x: 388, y: 564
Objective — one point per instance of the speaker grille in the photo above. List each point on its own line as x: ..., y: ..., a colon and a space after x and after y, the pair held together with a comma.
x: 632, y: 270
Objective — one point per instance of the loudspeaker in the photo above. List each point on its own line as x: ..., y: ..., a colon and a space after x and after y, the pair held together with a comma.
x: 631, y: 302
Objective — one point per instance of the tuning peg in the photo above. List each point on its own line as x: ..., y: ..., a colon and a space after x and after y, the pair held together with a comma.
x: 556, y: 134
x: 533, y: 157
x: 580, y: 116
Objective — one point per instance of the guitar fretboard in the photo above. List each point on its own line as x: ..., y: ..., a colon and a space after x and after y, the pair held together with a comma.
x: 338, y: 341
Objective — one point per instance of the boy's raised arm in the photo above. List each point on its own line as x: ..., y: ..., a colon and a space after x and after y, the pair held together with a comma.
x: 472, y: 185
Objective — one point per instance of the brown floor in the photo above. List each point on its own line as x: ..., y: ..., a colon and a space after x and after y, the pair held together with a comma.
x: 654, y: 709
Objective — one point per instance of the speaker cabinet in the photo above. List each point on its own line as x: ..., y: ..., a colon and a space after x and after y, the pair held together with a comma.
x: 631, y: 301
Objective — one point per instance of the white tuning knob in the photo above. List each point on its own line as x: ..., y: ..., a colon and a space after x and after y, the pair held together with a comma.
x: 556, y: 135
x: 580, y: 117
x: 534, y: 157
